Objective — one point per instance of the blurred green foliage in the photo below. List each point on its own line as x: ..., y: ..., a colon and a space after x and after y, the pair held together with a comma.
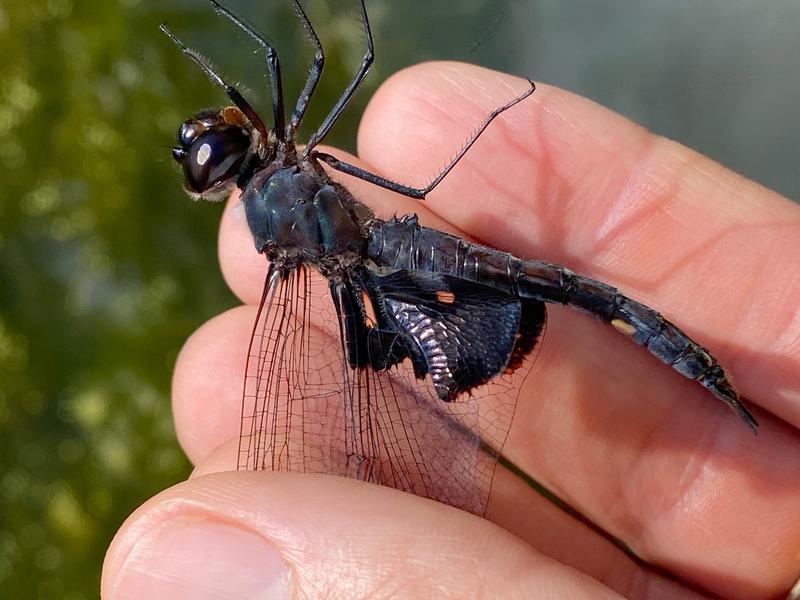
x: 105, y: 268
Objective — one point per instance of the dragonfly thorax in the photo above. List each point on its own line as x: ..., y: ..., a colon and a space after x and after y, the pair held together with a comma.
x: 299, y: 215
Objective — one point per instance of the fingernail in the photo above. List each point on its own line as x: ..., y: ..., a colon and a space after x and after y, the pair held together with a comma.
x: 200, y: 558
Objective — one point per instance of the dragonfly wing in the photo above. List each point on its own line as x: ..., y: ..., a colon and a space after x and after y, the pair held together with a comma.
x: 289, y: 389
x: 308, y: 406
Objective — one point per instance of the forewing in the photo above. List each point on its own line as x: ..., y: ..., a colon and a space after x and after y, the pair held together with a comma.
x: 304, y: 410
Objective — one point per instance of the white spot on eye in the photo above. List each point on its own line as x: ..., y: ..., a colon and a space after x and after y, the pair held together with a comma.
x: 203, y: 154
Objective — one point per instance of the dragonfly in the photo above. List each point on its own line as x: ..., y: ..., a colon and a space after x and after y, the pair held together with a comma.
x: 384, y: 350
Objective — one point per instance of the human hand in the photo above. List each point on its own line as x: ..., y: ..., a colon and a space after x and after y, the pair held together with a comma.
x: 645, y: 455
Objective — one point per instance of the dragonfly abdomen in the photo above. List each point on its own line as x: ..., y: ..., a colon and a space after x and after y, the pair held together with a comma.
x: 404, y: 244
x: 643, y: 325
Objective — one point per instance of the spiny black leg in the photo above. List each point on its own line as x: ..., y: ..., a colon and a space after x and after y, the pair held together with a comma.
x: 273, y: 66
x: 341, y: 103
x: 232, y: 92
x: 344, y: 167
x: 314, y: 74
x: 413, y: 192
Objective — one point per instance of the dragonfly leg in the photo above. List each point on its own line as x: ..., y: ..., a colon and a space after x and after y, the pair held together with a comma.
x: 231, y: 91
x: 273, y: 66
x: 420, y: 192
x: 344, y: 99
x: 314, y: 74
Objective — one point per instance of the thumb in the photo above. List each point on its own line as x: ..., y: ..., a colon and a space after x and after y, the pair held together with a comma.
x: 282, y: 535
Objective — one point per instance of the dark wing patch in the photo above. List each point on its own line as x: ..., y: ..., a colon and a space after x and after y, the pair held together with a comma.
x: 531, y: 327
x: 465, y: 332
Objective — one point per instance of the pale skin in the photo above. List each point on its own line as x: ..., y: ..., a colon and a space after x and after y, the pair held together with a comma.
x: 644, y: 454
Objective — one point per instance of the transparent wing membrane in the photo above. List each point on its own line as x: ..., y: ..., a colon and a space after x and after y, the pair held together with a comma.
x: 305, y: 410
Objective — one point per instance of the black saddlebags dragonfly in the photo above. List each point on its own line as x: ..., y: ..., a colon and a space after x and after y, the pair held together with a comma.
x: 401, y: 364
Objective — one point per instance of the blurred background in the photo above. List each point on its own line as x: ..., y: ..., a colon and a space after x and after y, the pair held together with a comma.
x: 106, y: 267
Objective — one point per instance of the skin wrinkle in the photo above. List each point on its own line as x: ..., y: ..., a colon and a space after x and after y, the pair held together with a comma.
x: 656, y: 285
x: 674, y: 500
x: 686, y: 259
x: 549, y: 108
x: 505, y: 140
x: 453, y: 76
x: 631, y: 522
x: 701, y: 499
x: 607, y: 564
x: 402, y: 112
x: 790, y: 282
x: 689, y: 259
x: 647, y: 199
x: 741, y: 195
x: 789, y: 341
x: 504, y: 127
x: 636, y: 527
x: 567, y: 481
x: 755, y: 282
x: 657, y: 203
x: 534, y: 239
x: 677, y: 507
x: 585, y: 191
x: 610, y: 139
x: 387, y: 579
x: 572, y: 214
x: 687, y: 307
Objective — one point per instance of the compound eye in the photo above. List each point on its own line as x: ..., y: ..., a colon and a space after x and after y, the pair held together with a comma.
x: 202, y: 121
x: 213, y: 157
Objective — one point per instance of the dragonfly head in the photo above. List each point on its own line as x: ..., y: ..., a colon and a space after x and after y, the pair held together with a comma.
x: 213, y: 146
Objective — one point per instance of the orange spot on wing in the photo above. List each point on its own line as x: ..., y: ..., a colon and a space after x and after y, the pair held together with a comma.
x: 446, y: 297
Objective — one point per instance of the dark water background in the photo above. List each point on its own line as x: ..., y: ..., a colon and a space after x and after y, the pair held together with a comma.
x: 106, y: 268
